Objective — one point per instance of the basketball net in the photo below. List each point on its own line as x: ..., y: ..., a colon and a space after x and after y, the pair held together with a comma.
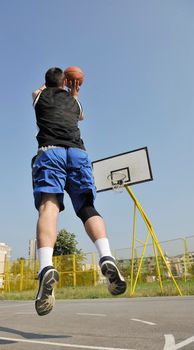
x: 117, y: 181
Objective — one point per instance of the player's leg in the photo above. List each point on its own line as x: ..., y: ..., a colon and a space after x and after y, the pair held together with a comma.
x: 47, y: 221
x: 48, y: 186
x: 46, y: 238
x: 95, y: 228
x: 82, y: 191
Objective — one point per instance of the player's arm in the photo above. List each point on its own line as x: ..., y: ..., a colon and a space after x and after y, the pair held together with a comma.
x: 36, y: 92
x: 74, y: 91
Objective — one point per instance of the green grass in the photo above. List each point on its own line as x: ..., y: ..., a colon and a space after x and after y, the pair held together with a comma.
x: 24, y: 295
x: 169, y: 289
x: 142, y: 290
x: 82, y: 292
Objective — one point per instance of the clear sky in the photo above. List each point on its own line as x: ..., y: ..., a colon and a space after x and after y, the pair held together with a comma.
x: 138, y: 59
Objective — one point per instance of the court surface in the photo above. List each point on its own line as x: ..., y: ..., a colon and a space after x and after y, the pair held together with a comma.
x: 162, y: 323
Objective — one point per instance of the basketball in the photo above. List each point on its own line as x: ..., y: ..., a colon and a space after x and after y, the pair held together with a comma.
x: 74, y: 73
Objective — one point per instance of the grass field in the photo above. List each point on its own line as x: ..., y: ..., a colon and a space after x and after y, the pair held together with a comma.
x: 142, y: 290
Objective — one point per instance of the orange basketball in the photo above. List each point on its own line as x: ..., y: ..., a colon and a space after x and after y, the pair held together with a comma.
x: 74, y: 73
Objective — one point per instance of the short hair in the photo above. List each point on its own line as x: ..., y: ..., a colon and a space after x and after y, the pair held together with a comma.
x: 54, y: 77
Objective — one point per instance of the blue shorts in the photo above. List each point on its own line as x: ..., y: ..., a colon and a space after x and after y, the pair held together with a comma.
x: 58, y: 169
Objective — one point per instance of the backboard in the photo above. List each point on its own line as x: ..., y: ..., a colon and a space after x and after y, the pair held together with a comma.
x: 133, y: 167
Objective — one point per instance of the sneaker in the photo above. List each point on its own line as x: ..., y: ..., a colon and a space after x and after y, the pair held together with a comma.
x: 117, y: 284
x: 45, y: 298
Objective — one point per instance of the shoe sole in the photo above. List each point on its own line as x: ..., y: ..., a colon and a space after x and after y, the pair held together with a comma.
x: 45, y: 298
x: 117, y: 284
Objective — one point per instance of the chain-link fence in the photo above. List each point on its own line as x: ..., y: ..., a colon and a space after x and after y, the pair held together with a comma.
x: 83, y: 269
x: 178, y: 253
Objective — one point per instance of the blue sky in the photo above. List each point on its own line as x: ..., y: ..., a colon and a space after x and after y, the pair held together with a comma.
x: 138, y: 59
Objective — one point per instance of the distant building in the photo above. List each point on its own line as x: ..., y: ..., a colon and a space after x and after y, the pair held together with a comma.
x: 32, y: 249
x: 5, y: 253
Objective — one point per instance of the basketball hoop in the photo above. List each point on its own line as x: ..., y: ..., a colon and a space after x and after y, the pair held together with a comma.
x: 117, y: 181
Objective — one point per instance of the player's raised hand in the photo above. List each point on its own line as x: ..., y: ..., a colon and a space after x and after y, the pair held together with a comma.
x: 74, y: 87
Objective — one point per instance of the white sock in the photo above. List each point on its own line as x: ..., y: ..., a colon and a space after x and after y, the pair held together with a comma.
x: 45, y: 257
x: 102, y: 246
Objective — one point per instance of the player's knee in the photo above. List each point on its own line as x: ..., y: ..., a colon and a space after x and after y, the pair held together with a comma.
x: 49, y: 202
x: 86, y: 212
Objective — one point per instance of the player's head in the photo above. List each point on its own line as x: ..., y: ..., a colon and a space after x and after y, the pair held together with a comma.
x: 54, y: 77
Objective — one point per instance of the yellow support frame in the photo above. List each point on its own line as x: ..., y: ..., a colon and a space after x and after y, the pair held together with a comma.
x: 156, y: 247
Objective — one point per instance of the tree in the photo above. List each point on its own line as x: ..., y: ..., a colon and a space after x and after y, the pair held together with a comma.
x: 66, y: 243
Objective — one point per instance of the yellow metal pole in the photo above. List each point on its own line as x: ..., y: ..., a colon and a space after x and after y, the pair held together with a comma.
x: 7, y: 275
x: 151, y: 230
x: 164, y: 259
x: 133, y: 249
x: 149, y: 225
x: 140, y: 263
x: 74, y: 270
x: 21, y: 273
x: 94, y: 268
x: 136, y: 258
x: 158, y: 266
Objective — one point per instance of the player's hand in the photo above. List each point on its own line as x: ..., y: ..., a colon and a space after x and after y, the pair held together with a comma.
x: 65, y: 82
x: 74, y: 87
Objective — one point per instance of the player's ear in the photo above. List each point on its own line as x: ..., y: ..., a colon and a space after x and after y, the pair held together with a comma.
x: 65, y: 83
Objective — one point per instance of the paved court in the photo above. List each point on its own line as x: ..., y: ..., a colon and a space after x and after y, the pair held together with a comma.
x: 165, y: 323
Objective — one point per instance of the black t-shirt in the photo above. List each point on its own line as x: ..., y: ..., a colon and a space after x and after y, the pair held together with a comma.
x: 57, y: 115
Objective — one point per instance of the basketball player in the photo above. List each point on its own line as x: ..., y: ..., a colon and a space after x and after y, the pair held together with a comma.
x: 62, y: 163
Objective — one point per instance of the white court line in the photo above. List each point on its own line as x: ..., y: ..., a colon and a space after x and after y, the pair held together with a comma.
x: 142, y: 321
x: 170, y: 342
x: 61, y: 344
x: 86, y: 314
